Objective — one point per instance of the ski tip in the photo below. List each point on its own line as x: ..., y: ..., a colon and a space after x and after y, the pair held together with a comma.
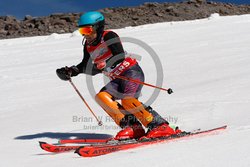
x: 41, y: 143
x: 77, y: 151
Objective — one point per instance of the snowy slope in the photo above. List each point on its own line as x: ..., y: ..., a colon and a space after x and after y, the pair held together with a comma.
x: 206, y: 62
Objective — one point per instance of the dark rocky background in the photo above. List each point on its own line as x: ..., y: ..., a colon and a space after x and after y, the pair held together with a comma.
x: 147, y: 13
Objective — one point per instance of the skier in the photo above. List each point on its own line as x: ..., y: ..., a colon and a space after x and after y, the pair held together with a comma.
x: 103, y: 51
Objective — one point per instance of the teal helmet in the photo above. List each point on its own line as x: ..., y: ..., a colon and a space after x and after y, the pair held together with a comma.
x: 91, y: 18
x: 95, y: 19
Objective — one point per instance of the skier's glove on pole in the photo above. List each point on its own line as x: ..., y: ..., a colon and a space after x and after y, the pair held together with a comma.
x: 65, y: 73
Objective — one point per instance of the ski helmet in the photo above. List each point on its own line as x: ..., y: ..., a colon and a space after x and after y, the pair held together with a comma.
x: 94, y: 19
x: 91, y: 19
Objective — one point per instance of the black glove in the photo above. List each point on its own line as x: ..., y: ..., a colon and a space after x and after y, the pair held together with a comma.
x: 65, y: 73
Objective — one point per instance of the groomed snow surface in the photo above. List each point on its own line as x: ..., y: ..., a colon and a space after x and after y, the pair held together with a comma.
x: 206, y: 62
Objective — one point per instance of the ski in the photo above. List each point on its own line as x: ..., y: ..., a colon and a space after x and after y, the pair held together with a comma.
x: 105, y: 146
x: 97, y: 150
x: 86, y: 141
x: 59, y: 148
x: 56, y: 148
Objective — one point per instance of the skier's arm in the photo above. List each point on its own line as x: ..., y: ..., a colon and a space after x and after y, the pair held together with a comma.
x: 65, y: 73
x: 117, y: 51
x: 83, y: 65
x: 115, y: 45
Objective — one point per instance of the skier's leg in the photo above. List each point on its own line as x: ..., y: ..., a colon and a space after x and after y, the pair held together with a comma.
x: 131, y: 92
x: 147, y: 116
x: 111, y: 107
x: 136, y: 108
x: 156, y: 125
x: 132, y: 128
x: 106, y: 98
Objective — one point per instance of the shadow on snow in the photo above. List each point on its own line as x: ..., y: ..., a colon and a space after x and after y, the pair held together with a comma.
x: 59, y: 135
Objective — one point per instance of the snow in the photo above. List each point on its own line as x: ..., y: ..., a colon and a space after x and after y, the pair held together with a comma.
x: 206, y: 63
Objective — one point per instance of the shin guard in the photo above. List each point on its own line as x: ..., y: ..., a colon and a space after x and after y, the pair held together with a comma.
x: 136, y: 108
x: 105, y: 100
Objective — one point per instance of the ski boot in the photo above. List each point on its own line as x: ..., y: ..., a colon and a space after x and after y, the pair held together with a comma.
x: 135, y: 131
x: 132, y: 128
x: 162, y: 130
x: 159, y: 127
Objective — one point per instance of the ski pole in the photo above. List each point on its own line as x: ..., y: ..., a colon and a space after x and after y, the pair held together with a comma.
x: 84, y: 101
x: 169, y: 90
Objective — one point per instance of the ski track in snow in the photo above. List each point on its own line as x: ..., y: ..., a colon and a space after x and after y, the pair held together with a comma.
x: 206, y: 63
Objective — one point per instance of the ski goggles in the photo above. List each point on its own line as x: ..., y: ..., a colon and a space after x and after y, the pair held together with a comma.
x: 87, y: 30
